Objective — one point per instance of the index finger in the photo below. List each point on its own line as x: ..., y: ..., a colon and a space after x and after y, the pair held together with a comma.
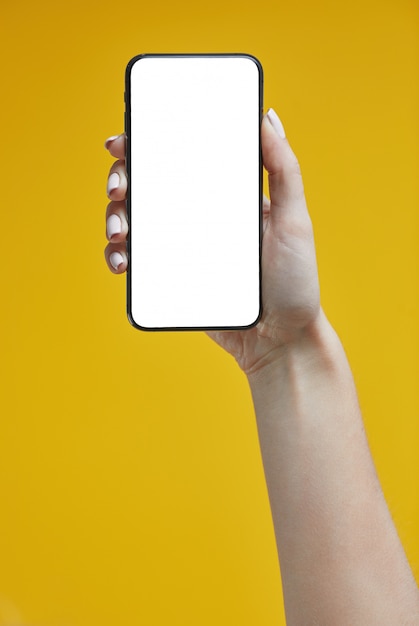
x: 116, y: 145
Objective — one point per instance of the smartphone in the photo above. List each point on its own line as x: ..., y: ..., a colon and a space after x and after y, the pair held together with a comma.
x: 194, y: 198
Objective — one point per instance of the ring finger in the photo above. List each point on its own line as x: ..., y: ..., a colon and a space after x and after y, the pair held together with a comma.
x: 117, y: 181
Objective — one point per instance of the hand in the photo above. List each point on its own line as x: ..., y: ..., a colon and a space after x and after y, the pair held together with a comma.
x: 290, y: 289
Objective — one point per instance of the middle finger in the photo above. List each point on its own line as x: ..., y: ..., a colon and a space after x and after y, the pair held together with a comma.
x: 117, y: 181
x: 116, y: 221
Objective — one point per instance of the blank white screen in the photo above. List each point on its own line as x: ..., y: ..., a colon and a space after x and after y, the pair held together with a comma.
x: 195, y: 192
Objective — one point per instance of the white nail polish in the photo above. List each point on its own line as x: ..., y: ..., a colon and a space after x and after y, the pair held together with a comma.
x: 113, y: 225
x: 113, y: 182
x: 276, y: 123
x: 109, y: 140
x: 116, y: 259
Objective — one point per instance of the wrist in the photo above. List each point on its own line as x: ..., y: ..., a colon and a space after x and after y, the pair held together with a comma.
x: 314, y: 346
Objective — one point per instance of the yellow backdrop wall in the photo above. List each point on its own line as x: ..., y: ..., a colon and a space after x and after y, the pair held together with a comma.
x: 131, y: 482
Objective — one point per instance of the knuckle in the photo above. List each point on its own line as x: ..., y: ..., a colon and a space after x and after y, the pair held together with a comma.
x: 110, y: 208
x: 294, y: 167
x: 116, y: 206
x: 118, y: 166
x: 298, y: 226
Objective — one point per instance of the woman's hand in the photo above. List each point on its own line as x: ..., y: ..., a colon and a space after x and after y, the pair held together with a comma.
x: 290, y: 289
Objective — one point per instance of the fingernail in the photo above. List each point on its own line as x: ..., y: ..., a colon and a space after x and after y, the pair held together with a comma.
x: 113, y: 182
x: 116, y: 259
x: 113, y: 226
x: 110, y: 140
x: 276, y: 123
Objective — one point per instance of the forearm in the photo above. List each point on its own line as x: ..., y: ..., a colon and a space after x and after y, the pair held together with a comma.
x: 341, y: 559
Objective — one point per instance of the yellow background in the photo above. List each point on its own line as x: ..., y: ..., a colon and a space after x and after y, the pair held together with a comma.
x: 131, y: 483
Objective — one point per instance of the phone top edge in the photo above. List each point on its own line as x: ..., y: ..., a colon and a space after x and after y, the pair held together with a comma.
x: 145, y: 55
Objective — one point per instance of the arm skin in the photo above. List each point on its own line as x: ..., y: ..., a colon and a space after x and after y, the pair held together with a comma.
x: 341, y: 561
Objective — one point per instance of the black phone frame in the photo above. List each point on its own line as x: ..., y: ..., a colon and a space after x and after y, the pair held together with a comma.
x: 127, y: 125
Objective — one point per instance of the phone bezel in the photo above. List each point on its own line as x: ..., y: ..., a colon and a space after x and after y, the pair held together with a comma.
x: 127, y: 124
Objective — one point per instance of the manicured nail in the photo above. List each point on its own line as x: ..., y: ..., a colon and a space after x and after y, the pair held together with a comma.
x: 116, y: 259
x: 276, y: 123
x: 110, y: 140
x: 113, y: 226
x: 113, y: 182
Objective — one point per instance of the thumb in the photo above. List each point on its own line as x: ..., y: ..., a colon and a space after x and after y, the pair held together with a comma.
x: 286, y: 188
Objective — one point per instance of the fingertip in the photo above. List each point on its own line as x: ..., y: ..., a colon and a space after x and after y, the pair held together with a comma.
x: 116, y: 260
x: 109, y: 140
x: 113, y: 183
x: 113, y: 226
x: 286, y: 187
x: 116, y: 187
x: 276, y: 150
x: 116, y: 145
x: 273, y: 119
x: 116, y: 257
